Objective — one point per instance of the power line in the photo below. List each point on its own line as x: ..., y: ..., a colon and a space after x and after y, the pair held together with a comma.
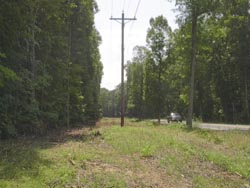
x: 127, y: 48
x: 139, y: 2
x: 130, y: 29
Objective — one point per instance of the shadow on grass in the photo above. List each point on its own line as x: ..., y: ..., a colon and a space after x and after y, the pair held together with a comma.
x: 21, y: 158
x: 82, y: 134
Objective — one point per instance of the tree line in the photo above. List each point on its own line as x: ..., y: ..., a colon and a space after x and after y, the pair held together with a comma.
x: 50, y: 69
x: 204, y: 63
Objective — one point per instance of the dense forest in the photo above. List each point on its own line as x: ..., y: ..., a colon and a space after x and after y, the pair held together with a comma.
x: 50, y: 69
x: 209, y: 53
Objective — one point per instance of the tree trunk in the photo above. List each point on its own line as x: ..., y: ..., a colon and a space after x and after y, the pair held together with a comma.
x: 246, y: 96
x: 32, y: 57
x: 32, y: 50
x: 68, y: 79
x: 159, y: 93
x: 141, y: 95
x: 191, y: 94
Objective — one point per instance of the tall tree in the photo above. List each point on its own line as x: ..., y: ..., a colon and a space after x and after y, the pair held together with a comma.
x: 159, y: 44
x: 191, y: 10
x: 135, y: 82
x: 52, y: 48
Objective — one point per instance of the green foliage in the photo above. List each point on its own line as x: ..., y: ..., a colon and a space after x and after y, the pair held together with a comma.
x: 221, y: 92
x: 135, y: 83
x: 108, y: 103
x: 6, y: 74
x: 50, y: 70
x: 147, y: 151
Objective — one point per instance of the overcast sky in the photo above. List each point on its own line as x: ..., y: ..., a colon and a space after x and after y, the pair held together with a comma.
x: 135, y: 31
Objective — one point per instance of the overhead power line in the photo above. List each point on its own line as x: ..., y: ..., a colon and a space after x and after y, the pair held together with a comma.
x: 138, y: 5
x: 131, y: 27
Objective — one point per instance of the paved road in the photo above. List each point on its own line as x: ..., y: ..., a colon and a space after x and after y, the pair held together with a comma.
x: 223, y: 127
x: 213, y: 126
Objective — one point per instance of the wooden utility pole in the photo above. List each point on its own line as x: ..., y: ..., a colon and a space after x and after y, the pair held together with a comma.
x: 122, y: 64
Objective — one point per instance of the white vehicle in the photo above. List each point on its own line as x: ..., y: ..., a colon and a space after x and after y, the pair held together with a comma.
x: 174, y: 116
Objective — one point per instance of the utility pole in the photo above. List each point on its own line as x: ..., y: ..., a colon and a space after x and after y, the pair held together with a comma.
x: 122, y: 64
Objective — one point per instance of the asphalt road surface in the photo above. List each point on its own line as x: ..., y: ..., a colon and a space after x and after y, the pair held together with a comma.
x: 213, y: 126
x: 223, y: 127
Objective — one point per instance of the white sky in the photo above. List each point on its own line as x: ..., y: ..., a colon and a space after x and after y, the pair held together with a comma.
x: 135, y: 31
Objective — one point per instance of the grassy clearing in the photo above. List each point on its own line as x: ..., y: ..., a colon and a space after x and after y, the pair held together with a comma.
x: 137, y: 155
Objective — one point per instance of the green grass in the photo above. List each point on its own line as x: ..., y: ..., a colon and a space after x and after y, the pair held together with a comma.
x: 137, y: 155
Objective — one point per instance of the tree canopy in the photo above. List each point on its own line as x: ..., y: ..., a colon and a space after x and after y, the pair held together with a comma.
x: 159, y: 81
x: 50, y: 69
